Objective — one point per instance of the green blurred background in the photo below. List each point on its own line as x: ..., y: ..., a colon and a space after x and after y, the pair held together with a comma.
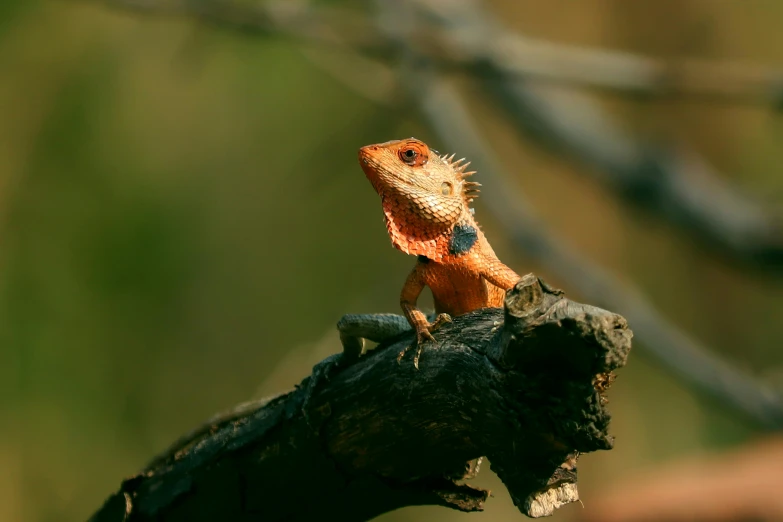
x: 183, y: 220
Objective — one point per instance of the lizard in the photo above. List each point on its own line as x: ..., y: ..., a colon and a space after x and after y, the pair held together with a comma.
x: 426, y: 199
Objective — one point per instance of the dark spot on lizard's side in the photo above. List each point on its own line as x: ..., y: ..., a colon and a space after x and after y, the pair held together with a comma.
x: 463, y: 237
x: 423, y: 259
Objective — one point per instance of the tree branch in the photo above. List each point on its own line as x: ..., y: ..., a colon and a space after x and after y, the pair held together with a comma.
x: 523, y: 387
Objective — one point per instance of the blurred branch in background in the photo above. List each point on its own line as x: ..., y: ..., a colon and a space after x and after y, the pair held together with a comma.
x: 465, y: 48
x: 683, y: 188
x: 675, y: 183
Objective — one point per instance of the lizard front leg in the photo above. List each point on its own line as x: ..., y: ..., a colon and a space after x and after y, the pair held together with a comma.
x: 410, y: 295
x: 494, y: 271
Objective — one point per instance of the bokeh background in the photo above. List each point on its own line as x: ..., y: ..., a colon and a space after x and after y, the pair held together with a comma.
x: 183, y: 220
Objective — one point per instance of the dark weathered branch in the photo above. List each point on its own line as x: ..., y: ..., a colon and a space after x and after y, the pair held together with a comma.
x: 524, y: 388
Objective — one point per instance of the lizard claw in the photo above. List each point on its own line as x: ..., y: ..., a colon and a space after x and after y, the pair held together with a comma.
x: 439, y: 321
x: 423, y: 335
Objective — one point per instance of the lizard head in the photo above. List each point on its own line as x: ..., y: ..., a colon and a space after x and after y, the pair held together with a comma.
x: 424, y: 194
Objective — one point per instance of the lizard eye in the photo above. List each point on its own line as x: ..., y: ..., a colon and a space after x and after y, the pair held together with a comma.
x: 446, y: 188
x: 408, y: 155
x: 414, y: 154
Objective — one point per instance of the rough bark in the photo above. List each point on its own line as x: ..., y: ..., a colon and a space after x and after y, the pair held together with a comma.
x: 522, y: 386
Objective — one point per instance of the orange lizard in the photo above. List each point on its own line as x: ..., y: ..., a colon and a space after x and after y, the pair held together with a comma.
x: 426, y: 204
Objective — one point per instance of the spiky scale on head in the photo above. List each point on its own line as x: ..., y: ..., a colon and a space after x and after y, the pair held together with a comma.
x: 424, y: 194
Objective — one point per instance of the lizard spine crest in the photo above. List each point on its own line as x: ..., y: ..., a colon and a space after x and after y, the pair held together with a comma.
x: 470, y: 189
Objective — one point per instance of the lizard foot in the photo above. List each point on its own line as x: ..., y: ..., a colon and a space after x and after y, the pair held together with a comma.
x: 423, y: 335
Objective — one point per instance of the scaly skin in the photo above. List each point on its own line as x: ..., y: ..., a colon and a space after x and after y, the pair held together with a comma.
x: 426, y: 204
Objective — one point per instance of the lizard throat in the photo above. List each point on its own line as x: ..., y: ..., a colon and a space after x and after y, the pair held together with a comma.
x: 439, y: 244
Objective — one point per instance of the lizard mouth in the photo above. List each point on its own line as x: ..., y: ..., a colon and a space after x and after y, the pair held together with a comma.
x: 367, y: 159
x: 370, y: 163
